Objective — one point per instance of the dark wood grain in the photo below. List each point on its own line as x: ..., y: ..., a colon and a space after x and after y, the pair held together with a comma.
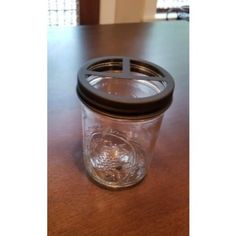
x: 159, y: 204
x: 89, y: 12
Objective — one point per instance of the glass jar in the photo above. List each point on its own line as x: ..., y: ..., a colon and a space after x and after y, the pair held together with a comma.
x: 123, y: 103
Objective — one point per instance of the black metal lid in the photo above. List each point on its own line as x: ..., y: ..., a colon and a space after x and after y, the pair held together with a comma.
x: 125, y: 87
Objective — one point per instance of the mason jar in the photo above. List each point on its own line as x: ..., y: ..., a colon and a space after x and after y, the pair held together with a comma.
x: 123, y: 104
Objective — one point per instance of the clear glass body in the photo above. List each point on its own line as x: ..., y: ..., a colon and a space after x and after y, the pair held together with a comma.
x: 117, y: 152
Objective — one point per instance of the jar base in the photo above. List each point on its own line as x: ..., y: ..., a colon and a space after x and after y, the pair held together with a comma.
x: 111, y: 185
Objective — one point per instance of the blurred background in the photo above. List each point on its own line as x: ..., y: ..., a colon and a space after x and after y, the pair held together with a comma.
x: 89, y: 12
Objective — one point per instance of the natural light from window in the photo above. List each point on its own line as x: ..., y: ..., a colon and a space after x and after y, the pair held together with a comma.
x: 168, y: 9
x: 62, y: 12
x: 172, y: 3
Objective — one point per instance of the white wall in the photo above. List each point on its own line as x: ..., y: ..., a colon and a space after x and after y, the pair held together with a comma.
x: 149, y: 10
x: 124, y: 11
x: 107, y: 11
x: 128, y: 11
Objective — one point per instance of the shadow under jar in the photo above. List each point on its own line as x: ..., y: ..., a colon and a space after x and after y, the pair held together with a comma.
x: 123, y: 103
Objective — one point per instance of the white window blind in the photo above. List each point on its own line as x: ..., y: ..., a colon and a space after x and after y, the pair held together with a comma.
x: 62, y: 12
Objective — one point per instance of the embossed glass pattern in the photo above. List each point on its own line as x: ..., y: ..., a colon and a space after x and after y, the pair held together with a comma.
x: 117, y: 152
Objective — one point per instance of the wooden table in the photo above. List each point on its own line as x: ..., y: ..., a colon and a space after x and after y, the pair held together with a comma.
x: 158, y: 206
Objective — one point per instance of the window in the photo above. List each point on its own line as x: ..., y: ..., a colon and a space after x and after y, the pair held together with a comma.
x: 62, y: 12
x: 172, y: 9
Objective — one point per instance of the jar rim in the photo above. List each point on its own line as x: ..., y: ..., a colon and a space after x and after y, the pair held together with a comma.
x: 125, y: 70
